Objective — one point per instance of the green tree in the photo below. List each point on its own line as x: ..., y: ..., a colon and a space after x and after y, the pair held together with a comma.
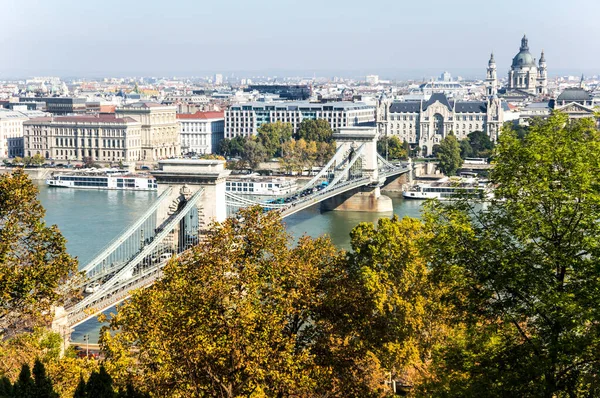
x: 481, y: 144
x: 273, y: 135
x: 448, y: 155
x: 223, y: 147
x: 315, y: 130
x: 80, y: 390
x: 37, y: 160
x: 395, y: 147
x: 236, y: 146
x: 33, y: 257
x: 254, y: 153
x: 6, y: 388
x: 466, y: 151
x: 24, y: 386
x: 99, y: 385
x: 232, y: 318
x: 42, y: 383
x: 522, y: 271
x: 386, y: 308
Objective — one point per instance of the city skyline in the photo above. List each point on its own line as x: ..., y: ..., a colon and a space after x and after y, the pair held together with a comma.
x: 347, y: 39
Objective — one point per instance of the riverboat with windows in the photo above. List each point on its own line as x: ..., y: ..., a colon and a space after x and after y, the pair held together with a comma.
x: 110, y: 179
x: 255, y: 185
x: 449, y: 188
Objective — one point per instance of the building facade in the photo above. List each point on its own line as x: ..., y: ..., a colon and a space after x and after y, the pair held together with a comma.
x: 524, y: 75
x: 245, y: 119
x: 60, y: 105
x: 104, y: 138
x: 160, y: 129
x: 426, y: 123
x: 11, y: 133
x: 201, y: 132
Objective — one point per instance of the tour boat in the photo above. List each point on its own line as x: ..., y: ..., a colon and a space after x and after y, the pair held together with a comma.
x: 448, y: 189
x: 104, y: 179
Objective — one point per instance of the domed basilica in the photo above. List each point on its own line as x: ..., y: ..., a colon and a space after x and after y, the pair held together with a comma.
x: 524, y: 75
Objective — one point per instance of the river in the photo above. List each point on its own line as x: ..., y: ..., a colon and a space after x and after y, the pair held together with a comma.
x: 89, y: 219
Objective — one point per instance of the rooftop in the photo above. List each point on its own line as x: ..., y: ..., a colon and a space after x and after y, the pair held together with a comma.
x: 202, y: 115
x: 91, y: 119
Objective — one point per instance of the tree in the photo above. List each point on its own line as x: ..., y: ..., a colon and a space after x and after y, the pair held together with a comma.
x: 522, y: 271
x: 315, y: 130
x: 387, y: 307
x: 223, y: 147
x: 449, y: 155
x: 395, y: 147
x: 254, y: 153
x: 236, y: 145
x: 99, y: 385
x: 80, y: 390
x: 231, y: 318
x: 37, y: 160
x: 24, y: 387
x: 481, y: 144
x: 466, y: 151
x: 6, y: 388
x: 34, y: 262
x: 17, y: 161
x: 42, y: 383
x: 273, y: 135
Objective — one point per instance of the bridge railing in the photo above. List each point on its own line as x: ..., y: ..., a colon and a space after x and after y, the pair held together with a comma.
x: 126, y: 272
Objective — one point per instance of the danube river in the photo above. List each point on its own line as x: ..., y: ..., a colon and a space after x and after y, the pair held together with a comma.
x: 89, y: 219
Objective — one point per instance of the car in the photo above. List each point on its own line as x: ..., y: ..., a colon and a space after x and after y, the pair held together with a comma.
x: 92, y: 288
x: 144, y: 168
x: 59, y: 166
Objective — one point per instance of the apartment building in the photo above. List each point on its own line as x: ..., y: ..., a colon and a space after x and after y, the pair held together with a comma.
x: 200, y: 132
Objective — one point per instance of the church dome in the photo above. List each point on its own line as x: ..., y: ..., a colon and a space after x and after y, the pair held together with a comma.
x: 524, y: 57
x: 574, y: 95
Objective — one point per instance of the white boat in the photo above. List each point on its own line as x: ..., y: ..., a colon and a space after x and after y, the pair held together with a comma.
x: 448, y: 189
x: 104, y: 179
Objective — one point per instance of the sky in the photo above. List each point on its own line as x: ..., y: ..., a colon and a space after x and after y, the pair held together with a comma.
x: 392, y: 38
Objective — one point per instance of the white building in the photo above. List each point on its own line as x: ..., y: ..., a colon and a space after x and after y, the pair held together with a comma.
x: 525, y: 75
x: 245, y: 119
x: 200, y: 132
x: 11, y: 133
x: 101, y: 137
x: 372, y: 79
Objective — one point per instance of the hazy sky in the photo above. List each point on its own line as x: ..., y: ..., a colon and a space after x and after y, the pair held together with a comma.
x: 394, y: 38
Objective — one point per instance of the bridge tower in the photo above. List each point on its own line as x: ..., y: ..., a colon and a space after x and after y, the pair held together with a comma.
x: 185, y: 177
x: 367, y: 198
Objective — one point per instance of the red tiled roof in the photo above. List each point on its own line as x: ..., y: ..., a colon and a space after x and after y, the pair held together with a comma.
x: 202, y: 115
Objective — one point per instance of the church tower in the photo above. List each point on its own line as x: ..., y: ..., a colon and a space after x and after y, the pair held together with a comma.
x: 491, y: 80
x: 542, y: 83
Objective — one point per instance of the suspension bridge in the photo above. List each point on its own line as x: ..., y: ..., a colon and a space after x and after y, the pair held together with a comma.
x: 192, y: 195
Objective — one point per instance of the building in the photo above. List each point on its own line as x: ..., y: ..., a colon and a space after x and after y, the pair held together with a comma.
x: 60, y: 105
x: 245, y: 119
x: 426, y: 123
x: 218, y: 79
x: 491, y: 78
x: 576, y: 102
x: 372, y: 79
x: 288, y: 92
x: 11, y: 133
x: 525, y: 75
x: 200, y: 132
x: 104, y: 138
x: 160, y: 129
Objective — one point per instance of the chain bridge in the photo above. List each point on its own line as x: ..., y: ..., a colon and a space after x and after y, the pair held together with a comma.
x: 192, y: 195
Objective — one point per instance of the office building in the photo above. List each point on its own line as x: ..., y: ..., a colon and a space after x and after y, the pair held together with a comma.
x: 60, y: 105
x: 245, y: 119
x: 200, y: 132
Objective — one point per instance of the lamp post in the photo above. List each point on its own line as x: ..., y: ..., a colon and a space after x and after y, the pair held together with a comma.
x: 86, y: 338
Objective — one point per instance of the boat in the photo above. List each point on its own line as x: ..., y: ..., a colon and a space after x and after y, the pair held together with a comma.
x: 448, y: 189
x: 109, y: 179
